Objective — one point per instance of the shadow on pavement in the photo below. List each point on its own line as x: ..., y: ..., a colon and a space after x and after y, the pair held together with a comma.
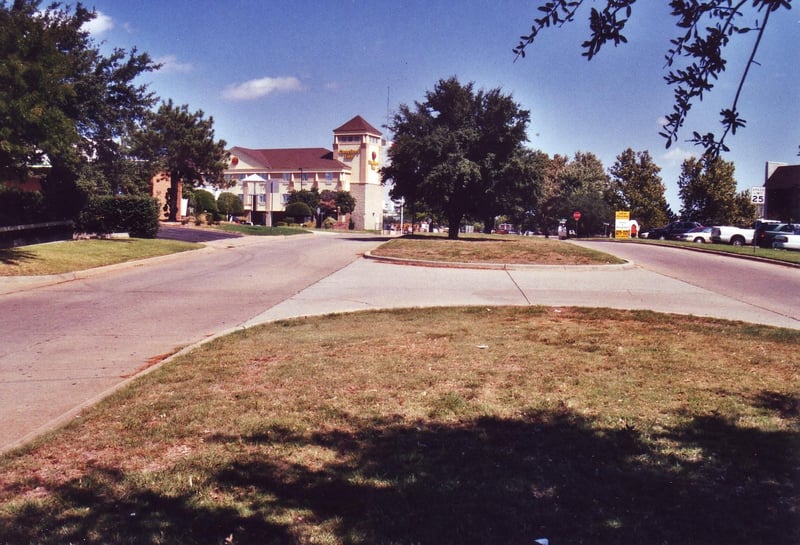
x: 193, y: 234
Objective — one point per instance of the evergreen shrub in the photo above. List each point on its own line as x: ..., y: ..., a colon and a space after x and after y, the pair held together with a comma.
x: 136, y: 215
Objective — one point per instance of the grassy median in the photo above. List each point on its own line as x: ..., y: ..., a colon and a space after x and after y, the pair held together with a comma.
x: 76, y: 255
x: 436, y: 426
x: 496, y: 249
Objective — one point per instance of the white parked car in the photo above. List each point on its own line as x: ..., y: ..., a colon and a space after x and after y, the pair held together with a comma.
x: 698, y: 234
x: 787, y: 241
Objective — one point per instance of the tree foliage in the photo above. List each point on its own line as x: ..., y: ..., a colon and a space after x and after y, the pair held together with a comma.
x: 707, y: 189
x: 204, y: 201
x: 298, y: 210
x: 637, y: 187
x: 333, y: 202
x: 345, y: 202
x: 181, y: 143
x: 308, y: 196
x: 696, y: 58
x: 230, y: 204
x: 64, y: 103
x: 584, y: 186
x: 458, y: 153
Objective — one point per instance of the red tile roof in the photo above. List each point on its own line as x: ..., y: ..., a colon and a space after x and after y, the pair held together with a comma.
x: 293, y: 159
x: 358, y: 124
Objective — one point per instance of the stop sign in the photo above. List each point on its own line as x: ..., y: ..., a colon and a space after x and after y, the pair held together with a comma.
x: 576, y: 215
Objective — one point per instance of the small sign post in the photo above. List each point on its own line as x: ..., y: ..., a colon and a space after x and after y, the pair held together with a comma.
x: 758, y: 196
x: 576, y: 215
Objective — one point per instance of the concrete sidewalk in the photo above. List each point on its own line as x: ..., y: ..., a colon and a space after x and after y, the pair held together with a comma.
x: 373, y: 284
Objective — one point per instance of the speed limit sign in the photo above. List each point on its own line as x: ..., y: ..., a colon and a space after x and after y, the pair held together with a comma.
x: 758, y: 194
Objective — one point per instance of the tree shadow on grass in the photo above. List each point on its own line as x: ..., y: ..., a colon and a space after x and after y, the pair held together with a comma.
x: 16, y: 256
x: 553, y: 474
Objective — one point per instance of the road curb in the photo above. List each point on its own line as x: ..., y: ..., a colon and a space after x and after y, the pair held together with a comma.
x: 493, y: 266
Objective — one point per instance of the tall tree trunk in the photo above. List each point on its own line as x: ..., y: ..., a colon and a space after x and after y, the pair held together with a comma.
x: 488, y: 225
x: 174, y: 196
x: 453, y: 224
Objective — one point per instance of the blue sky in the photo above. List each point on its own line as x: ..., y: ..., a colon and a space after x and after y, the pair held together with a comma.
x: 285, y: 74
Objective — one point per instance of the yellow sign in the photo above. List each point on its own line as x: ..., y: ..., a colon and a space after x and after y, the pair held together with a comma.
x: 622, y: 225
x: 348, y: 154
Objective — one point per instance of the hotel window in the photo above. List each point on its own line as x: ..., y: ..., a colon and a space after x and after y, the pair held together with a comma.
x: 287, y: 176
x: 262, y: 198
x: 329, y: 176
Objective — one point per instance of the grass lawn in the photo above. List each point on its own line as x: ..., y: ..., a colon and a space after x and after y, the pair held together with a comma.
x: 260, y: 230
x: 437, y: 426
x: 788, y: 256
x: 492, y: 249
x: 75, y: 255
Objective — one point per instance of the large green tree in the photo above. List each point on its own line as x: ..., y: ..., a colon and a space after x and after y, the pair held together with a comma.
x: 548, y: 213
x: 707, y: 189
x: 637, y: 187
x: 696, y: 57
x: 453, y: 153
x: 64, y: 103
x: 583, y: 186
x: 516, y: 190
x: 182, y: 144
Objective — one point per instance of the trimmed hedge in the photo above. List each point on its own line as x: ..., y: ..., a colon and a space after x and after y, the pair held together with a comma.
x: 137, y: 216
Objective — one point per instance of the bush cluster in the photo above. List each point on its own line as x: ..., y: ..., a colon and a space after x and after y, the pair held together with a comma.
x: 137, y: 216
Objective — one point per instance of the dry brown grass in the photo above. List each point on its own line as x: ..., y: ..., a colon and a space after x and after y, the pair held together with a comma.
x: 467, y: 425
x: 498, y: 249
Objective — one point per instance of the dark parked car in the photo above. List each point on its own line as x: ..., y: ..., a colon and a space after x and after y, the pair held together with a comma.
x: 672, y: 231
x: 765, y: 235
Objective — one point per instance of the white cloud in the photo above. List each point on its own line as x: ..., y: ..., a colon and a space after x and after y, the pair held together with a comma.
x: 100, y: 24
x: 675, y: 156
x: 170, y: 65
x: 257, y: 88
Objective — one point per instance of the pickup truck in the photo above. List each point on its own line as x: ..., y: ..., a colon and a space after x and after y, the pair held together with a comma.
x: 737, y: 236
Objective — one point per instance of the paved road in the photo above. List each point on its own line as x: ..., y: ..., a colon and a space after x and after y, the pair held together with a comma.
x: 63, y: 346
x: 764, y: 285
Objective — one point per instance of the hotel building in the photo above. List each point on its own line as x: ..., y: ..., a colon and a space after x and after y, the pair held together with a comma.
x: 263, y: 178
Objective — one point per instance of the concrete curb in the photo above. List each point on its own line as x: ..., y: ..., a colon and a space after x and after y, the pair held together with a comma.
x: 494, y: 266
